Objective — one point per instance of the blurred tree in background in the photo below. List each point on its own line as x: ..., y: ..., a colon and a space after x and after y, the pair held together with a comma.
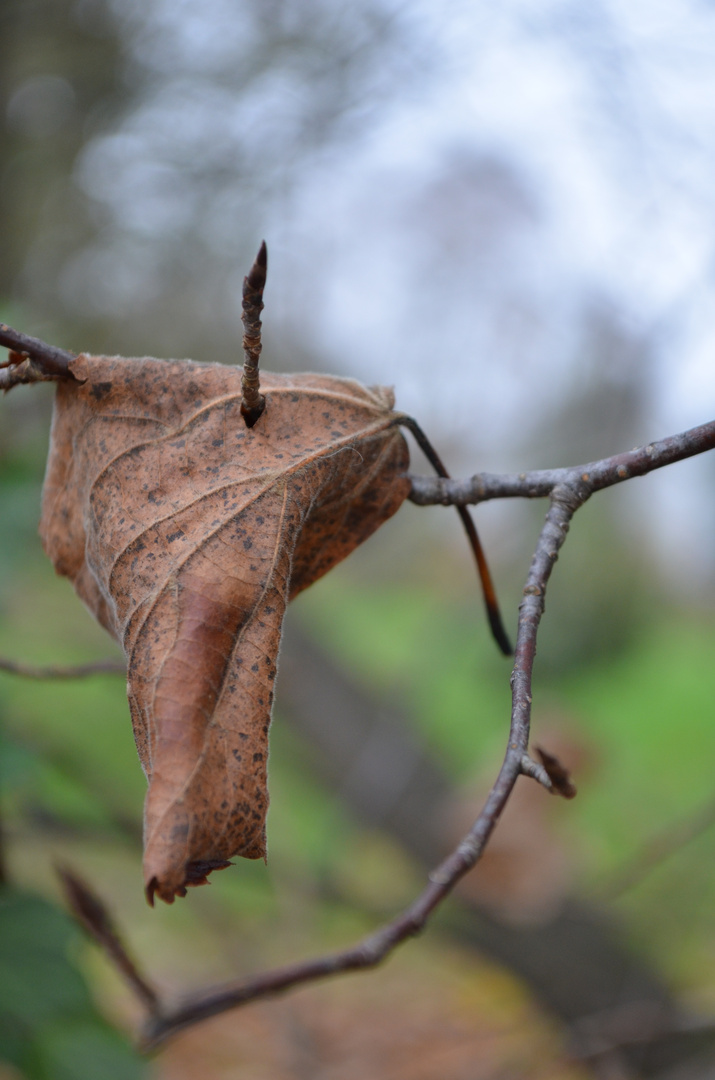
x: 521, y: 198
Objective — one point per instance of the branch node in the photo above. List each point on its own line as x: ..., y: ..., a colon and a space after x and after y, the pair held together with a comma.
x: 252, y: 401
x: 537, y: 772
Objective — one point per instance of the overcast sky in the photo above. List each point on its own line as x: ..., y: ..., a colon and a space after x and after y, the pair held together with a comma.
x: 515, y: 200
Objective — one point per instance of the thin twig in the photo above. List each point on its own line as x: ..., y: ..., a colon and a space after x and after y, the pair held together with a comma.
x: 89, y: 910
x: 430, y: 490
x: 31, y: 360
x: 253, y: 402
x: 52, y: 671
x: 637, y: 1024
x: 658, y: 849
x: 490, y: 596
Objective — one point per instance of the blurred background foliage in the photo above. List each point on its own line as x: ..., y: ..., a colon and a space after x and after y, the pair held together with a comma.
x: 516, y: 202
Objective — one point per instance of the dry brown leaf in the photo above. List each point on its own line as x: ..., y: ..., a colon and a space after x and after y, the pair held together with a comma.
x: 186, y: 533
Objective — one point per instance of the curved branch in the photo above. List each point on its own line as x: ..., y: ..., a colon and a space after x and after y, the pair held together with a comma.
x: 489, y: 592
x: 567, y: 490
x: 376, y: 947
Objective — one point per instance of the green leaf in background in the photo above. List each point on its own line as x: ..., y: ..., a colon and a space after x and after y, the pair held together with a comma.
x: 88, y: 1051
x: 49, y: 1026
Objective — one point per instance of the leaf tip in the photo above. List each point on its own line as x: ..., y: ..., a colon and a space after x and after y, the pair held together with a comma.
x: 194, y: 874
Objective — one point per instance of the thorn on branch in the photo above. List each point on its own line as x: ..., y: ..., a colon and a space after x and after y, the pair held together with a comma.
x: 252, y: 401
x: 561, y: 782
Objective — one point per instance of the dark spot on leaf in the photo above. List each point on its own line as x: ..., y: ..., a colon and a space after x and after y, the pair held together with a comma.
x: 100, y: 390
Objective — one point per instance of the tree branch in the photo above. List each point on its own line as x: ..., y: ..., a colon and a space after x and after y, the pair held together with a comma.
x: 56, y: 671
x: 89, y: 910
x: 31, y: 360
x: 596, y: 475
x: 666, y: 843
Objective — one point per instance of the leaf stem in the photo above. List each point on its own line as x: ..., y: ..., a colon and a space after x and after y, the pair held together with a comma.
x: 490, y: 597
